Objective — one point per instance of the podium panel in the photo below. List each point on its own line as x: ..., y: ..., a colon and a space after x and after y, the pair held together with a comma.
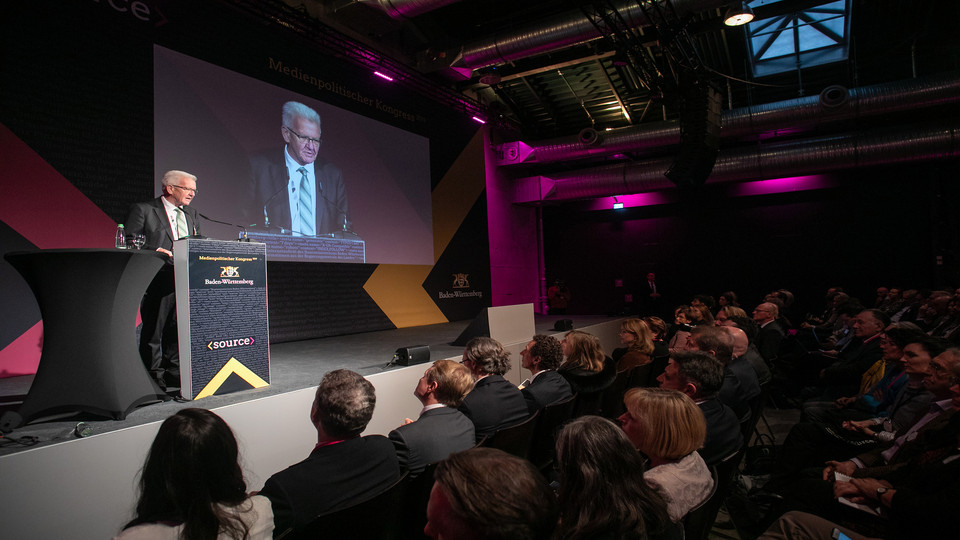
x: 221, y: 316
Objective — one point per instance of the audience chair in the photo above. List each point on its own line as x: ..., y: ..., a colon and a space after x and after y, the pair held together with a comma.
x: 756, y: 411
x: 611, y: 402
x: 414, y: 517
x: 376, y: 517
x: 515, y: 439
x: 553, y: 417
x: 699, y: 521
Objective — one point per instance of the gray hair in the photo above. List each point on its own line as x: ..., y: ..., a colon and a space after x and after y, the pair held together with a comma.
x: 170, y: 176
x: 293, y: 109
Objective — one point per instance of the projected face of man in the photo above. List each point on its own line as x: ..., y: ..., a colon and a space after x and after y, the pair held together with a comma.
x: 302, y: 140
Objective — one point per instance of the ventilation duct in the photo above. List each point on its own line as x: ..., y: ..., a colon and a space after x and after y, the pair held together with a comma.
x: 407, y: 9
x: 795, y: 158
x: 559, y: 31
x: 833, y: 105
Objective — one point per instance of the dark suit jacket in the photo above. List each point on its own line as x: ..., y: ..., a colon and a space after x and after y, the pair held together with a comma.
x: 330, y: 478
x: 494, y: 404
x: 846, y: 372
x: 268, y: 177
x: 768, y: 340
x: 150, y: 219
x: 723, y: 431
x: 549, y: 387
x: 739, y: 387
x: 434, y: 436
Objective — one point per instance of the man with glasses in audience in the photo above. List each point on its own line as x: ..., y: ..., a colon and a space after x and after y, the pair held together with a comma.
x: 295, y: 190
x: 161, y: 221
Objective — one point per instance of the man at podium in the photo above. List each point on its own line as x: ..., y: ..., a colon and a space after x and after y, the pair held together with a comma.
x: 161, y: 221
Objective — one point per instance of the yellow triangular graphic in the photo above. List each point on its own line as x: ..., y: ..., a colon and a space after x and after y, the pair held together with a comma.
x: 232, y: 366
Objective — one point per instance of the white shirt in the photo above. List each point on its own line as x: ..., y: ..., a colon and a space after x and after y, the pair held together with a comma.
x: 293, y: 190
x: 172, y: 217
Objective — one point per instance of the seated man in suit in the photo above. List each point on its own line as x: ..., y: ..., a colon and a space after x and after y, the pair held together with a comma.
x: 161, y: 221
x: 700, y: 375
x: 542, y: 356
x: 343, y: 467
x: 441, y: 429
x: 487, y: 493
x: 770, y: 333
x: 494, y: 403
x: 740, y: 383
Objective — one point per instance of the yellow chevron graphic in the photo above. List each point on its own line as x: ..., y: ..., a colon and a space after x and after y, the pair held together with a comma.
x: 398, y: 291
x: 232, y: 366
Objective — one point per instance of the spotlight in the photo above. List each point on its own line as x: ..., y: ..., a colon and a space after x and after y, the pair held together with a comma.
x: 738, y: 15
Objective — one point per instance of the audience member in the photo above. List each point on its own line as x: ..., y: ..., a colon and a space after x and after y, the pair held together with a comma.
x: 487, y: 494
x: 770, y: 333
x: 587, y: 370
x: 879, y: 396
x: 682, y: 324
x: 726, y: 299
x: 669, y: 428
x: 440, y: 429
x: 192, y: 486
x: 742, y: 349
x: 636, y: 335
x: 842, y: 377
x: 661, y: 353
x: 740, y: 383
x: 603, y: 493
x: 700, y: 375
x: 343, y: 467
x: 494, y: 403
x: 725, y: 313
x: 542, y: 357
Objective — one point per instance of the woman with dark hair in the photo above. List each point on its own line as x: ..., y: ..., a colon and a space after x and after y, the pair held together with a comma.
x: 728, y: 298
x: 588, y: 370
x: 192, y: 487
x: 603, y: 493
x: 636, y: 335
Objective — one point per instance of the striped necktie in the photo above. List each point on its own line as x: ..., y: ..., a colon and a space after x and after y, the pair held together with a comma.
x: 306, y: 204
x: 182, y: 230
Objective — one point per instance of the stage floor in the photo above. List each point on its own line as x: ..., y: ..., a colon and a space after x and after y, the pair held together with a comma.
x: 293, y: 366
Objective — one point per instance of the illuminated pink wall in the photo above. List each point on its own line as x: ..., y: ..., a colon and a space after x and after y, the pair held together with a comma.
x: 514, y: 271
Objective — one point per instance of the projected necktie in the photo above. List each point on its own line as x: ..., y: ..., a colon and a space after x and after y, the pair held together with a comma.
x: 182, y: 230
x: 306, y: 204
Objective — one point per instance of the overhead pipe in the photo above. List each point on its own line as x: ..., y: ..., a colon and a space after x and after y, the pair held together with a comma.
x: 802, y: 157
x: 407, y: 9
x: 833, y: 105
x: 562, y: 30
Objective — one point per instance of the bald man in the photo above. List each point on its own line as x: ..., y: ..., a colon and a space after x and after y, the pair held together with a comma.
x: 743, y: 349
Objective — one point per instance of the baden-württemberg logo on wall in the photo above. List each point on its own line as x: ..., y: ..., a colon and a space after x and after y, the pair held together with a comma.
x: 462, y: 285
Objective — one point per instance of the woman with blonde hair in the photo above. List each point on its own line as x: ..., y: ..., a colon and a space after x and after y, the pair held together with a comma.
x: 588, y: 370
x: 668, y: 427
x: 726, y: 313
x: 636, y: 335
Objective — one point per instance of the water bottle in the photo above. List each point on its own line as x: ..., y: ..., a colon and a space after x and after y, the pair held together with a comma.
x: 121, y: 237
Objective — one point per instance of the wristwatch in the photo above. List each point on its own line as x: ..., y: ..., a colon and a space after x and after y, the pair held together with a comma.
x: 881, y: 491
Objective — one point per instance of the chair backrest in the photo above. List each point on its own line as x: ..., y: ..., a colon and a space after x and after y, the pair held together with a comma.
x: 552, y: 417
x: 611, y: 403
x: 756, y: 410
x: 414, y: 517
x: 354, y: 522
x: 515, y: 439
x: 699, y: 521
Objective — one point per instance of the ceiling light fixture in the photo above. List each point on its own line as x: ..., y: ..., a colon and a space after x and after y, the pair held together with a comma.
x: 383, y: 76
x: 738, y: 15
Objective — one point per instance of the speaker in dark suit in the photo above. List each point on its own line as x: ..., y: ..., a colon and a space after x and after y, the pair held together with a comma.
x: 161, y: 221
x: 441, y: 429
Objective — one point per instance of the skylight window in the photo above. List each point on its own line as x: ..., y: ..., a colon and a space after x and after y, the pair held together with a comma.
x: 800, y: 39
